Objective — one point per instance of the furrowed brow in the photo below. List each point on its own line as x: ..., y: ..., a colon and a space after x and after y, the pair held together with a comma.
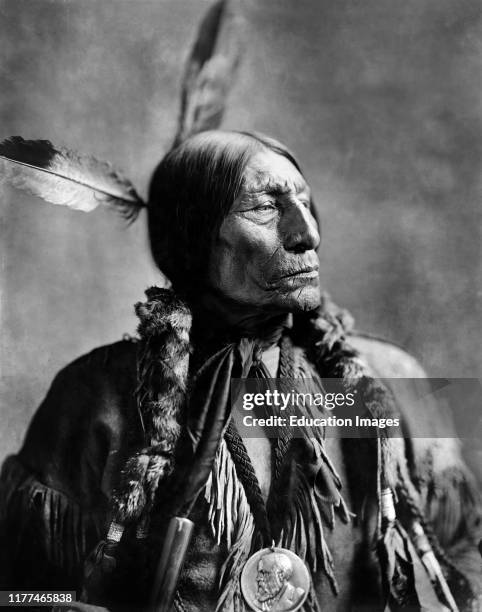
x: 276, y: 187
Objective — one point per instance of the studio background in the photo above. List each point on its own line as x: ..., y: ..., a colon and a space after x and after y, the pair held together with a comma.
x: 379, y: 99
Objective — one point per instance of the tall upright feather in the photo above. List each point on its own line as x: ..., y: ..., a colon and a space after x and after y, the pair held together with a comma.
x: 65, y: 178
x: 211, y: 69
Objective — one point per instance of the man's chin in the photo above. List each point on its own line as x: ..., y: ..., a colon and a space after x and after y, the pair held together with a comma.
x: 300, y: 300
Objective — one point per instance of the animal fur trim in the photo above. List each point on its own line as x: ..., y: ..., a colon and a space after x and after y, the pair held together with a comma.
x: 165, y: 323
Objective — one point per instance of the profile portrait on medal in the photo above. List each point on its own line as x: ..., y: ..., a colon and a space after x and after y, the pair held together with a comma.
x: 275, y: 591
x: 275, y: 580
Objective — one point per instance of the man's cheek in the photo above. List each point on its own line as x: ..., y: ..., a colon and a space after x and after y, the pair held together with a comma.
x: 226, y: 268
x: 255, y: 264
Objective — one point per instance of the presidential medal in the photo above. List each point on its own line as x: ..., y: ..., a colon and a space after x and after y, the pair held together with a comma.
x: 275, y: 580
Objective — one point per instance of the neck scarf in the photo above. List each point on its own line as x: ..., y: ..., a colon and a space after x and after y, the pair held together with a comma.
x: 305, y: 483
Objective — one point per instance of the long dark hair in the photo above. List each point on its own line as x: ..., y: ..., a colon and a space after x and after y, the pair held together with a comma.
x: 191, y: 192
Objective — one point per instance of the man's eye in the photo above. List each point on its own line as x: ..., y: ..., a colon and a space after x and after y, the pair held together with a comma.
x: 267, y: 206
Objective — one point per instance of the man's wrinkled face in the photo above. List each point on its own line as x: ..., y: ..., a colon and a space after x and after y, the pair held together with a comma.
x: 265, y: 255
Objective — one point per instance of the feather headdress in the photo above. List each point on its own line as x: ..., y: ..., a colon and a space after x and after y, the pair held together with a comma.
x: 61, y: 176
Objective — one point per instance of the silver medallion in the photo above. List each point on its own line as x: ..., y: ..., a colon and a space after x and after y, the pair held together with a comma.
x: 275, y: 580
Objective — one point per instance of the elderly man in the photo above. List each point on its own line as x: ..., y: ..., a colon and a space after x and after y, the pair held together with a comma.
x: 124, y: 432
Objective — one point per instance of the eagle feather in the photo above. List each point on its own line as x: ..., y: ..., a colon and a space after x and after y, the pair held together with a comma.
x: 211, y: 69
x: 63, y: 177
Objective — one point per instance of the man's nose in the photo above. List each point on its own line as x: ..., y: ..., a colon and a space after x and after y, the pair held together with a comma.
x: 300, y: 230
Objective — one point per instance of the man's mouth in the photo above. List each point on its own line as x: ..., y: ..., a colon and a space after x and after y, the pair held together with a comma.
x: 306, y: 272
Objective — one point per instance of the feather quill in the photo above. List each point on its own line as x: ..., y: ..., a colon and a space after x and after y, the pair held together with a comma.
x: 211, y: 70
x: 61, y: 176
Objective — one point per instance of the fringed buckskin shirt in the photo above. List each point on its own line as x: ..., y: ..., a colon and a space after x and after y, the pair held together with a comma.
x: 55, y: 493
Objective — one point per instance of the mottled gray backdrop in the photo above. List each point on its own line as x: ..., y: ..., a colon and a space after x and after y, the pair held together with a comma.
x: 380, y: 99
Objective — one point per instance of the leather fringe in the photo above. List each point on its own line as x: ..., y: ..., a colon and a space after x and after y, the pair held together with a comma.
x: 231, y: 519
x: 453, y: 506
x: 64, y: 523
